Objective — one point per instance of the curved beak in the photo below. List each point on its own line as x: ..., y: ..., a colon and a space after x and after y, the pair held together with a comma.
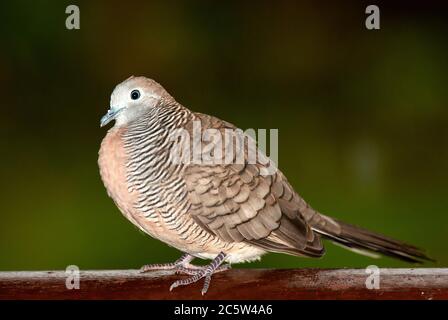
x: 109, y: 116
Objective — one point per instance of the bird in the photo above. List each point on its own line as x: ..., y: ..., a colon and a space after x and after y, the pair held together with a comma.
x: 224, y: 211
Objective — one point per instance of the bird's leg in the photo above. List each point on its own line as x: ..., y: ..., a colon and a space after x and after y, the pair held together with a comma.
x: 203, y: 272
x: 181, y: 262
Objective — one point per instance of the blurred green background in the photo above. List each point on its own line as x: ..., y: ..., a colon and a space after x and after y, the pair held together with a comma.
x: 362, y: 116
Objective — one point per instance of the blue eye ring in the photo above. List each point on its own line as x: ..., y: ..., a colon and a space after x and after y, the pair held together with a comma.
x: 135, y: 94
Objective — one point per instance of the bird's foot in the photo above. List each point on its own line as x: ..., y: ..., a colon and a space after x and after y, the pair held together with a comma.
x: 182, y: 265
x: 191, y: 269
x: 198, y: 273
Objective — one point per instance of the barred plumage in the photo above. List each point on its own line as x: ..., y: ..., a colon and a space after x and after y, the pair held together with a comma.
x: 225, y: 212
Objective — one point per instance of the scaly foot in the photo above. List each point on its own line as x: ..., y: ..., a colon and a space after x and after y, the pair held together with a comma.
x: 205, y: 272
x: 183, y: 265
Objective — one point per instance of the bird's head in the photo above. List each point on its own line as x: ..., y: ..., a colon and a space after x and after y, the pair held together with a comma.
x: 133, y: 98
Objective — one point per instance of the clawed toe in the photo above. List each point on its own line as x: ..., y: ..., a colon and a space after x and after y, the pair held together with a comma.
x: 154, y: 267
x: 205, y: 273
x: 195, y: 272
x: 187, y: 270
x: 185, y: 259
x: 198, y: 273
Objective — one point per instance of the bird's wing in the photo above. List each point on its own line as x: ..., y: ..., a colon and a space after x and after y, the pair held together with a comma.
x: 239, y: 204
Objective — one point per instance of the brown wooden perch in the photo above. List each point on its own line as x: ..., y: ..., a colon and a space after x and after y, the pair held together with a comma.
x: 269, y: 284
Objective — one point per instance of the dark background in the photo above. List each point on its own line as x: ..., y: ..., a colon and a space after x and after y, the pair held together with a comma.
x: 362, y: 116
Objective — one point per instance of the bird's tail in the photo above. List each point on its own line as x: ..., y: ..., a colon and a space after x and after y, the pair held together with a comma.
x: 362, y: 240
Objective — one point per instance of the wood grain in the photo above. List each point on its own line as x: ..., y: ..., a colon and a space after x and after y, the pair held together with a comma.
x: 272, y: 284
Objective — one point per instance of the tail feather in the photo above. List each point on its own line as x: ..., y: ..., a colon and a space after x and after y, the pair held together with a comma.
x: 354, y: 237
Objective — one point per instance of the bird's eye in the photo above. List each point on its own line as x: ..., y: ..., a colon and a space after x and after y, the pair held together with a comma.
x: 135, y: 94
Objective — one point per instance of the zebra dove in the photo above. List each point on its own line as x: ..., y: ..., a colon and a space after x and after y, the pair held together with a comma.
x: 226, y: 212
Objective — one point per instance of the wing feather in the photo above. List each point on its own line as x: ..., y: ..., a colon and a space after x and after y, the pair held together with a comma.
x: 238, y: 204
